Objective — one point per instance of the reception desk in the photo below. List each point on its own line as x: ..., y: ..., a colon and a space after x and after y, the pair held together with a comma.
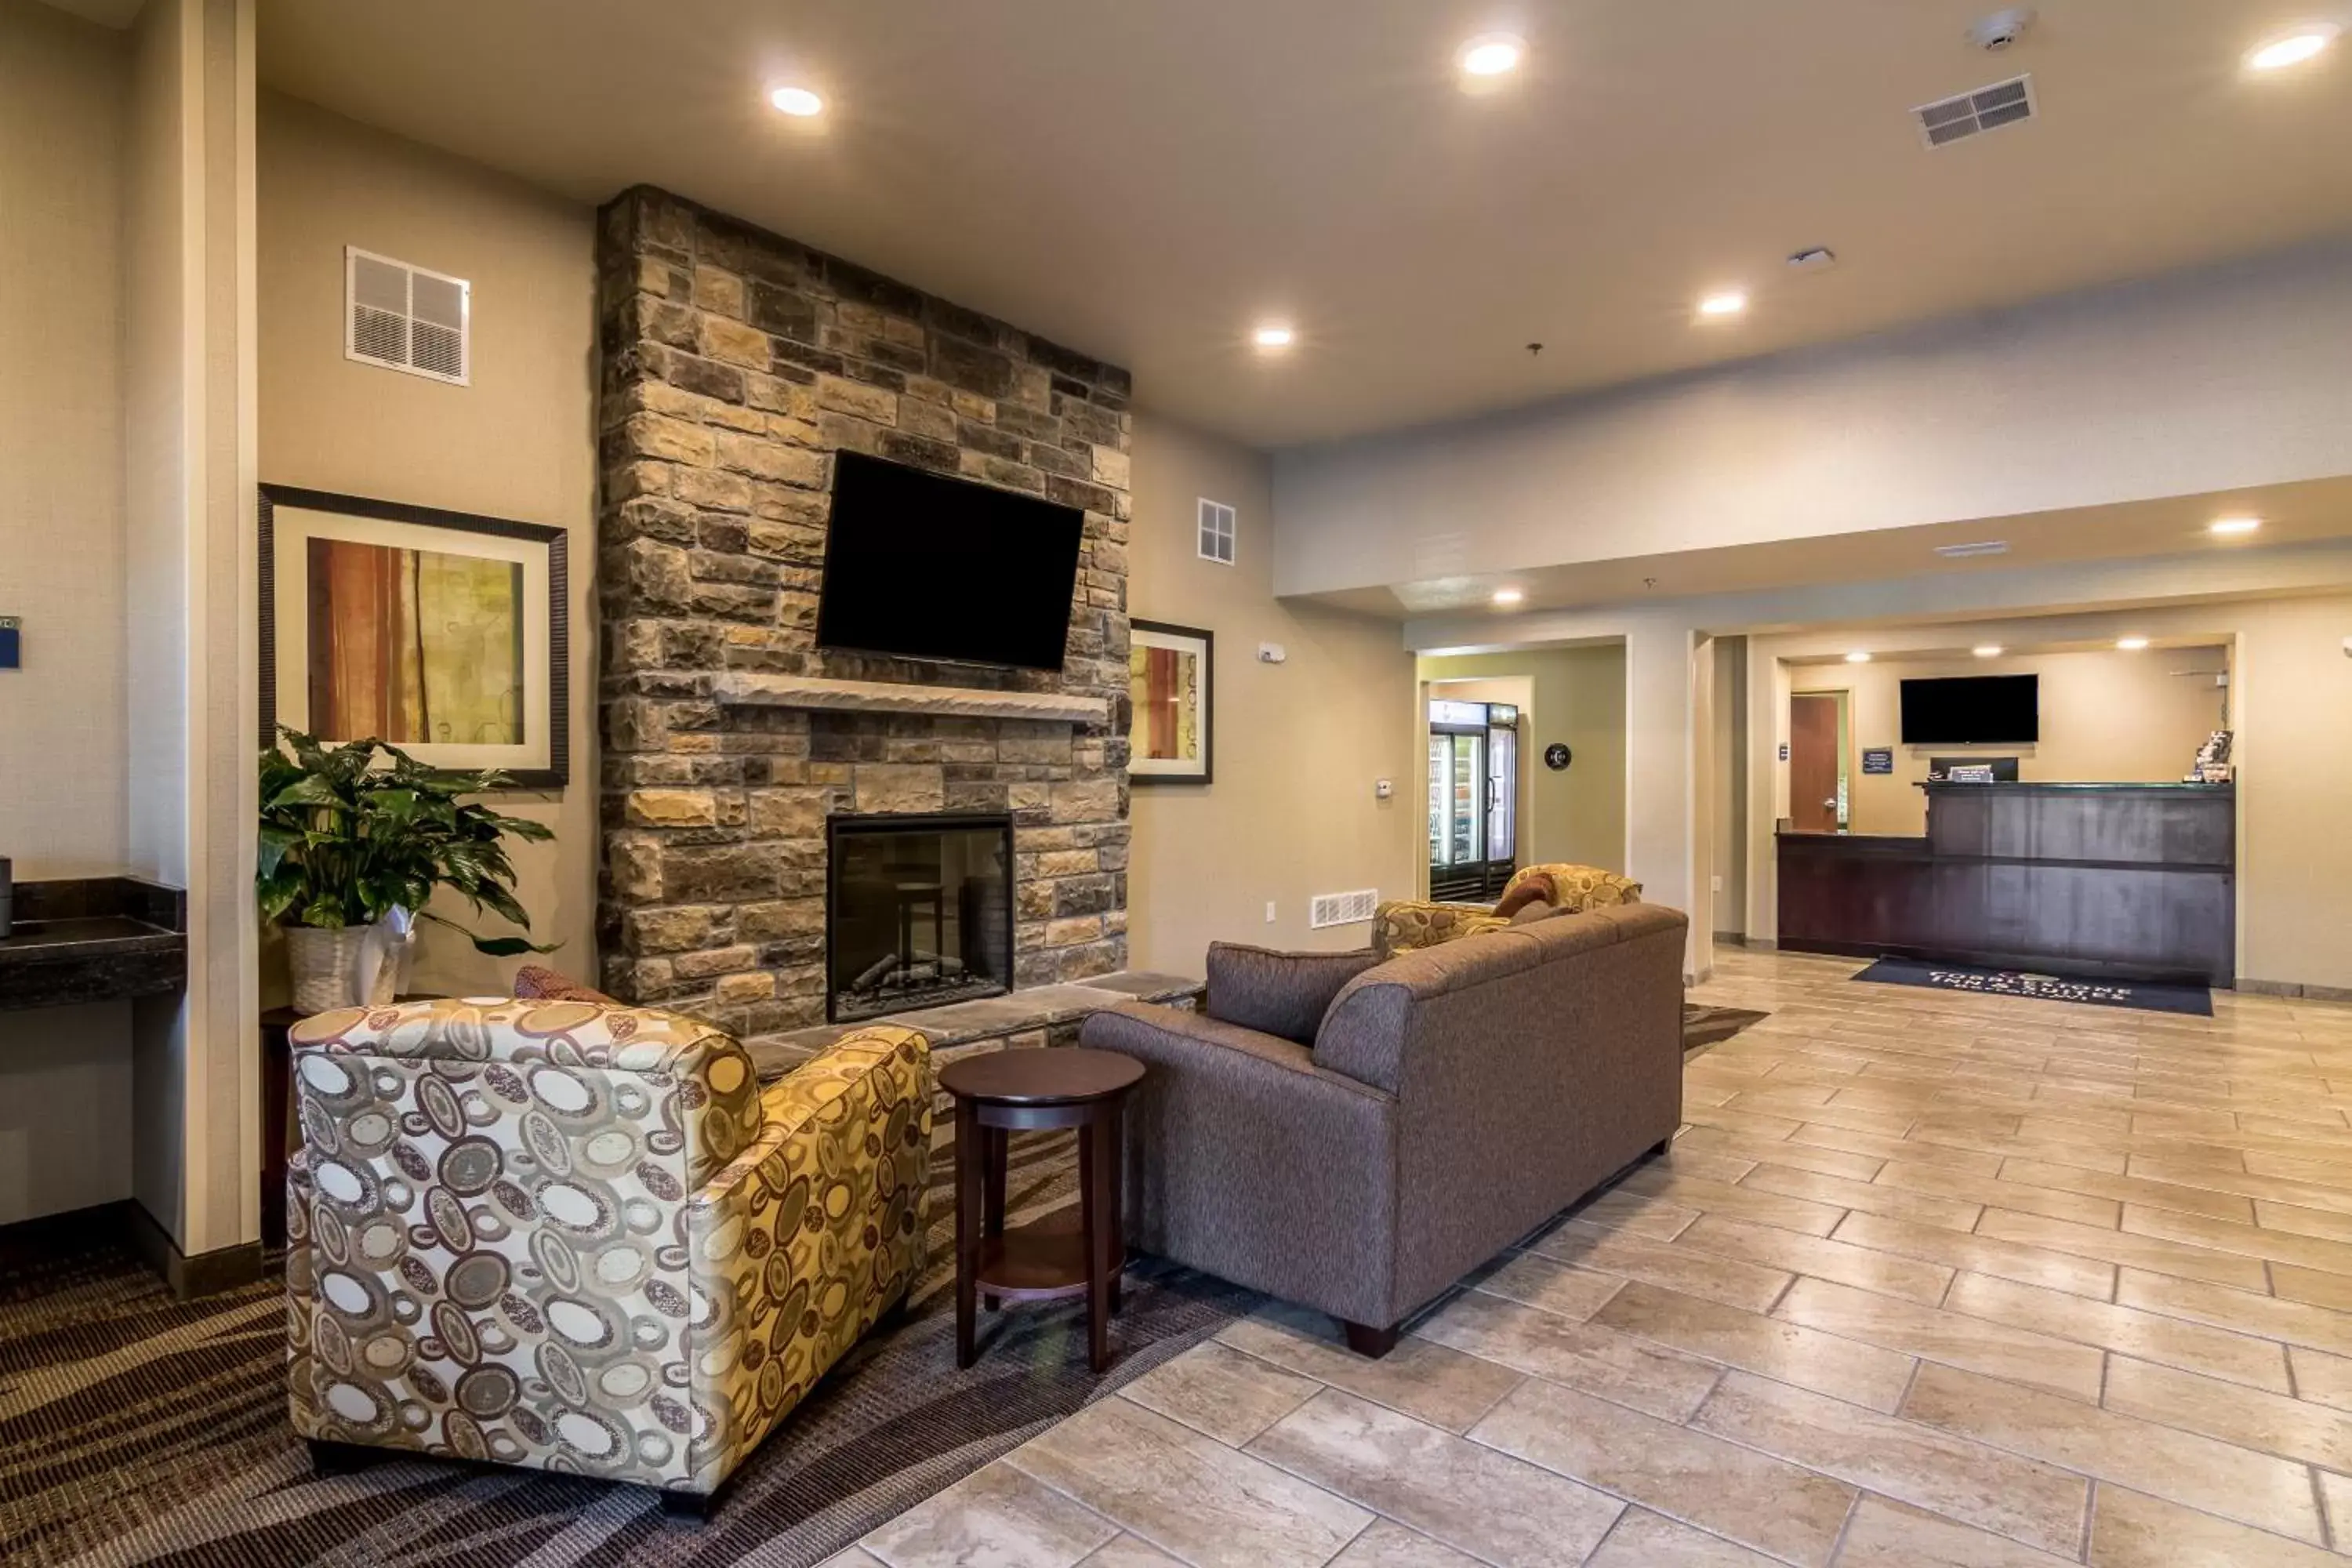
x: 2122, y: 881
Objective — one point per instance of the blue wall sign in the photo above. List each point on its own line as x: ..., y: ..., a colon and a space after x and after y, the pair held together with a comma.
x: 1878, y: 760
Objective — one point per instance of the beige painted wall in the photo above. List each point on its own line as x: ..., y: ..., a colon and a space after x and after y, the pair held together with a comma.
x: 65, y: 1073
x: 1577, y: 696
x: 1728, y: 791
x: 518, y: 443
x: 2106, y: 717
x: 63, y: 86
x: 1299, y: 745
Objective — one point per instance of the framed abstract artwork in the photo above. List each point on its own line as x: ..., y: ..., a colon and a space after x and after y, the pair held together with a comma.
x: 1171, y: 676
x: 437, y: 632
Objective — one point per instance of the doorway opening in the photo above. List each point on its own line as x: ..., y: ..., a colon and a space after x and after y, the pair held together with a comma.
x: 1821, y: 794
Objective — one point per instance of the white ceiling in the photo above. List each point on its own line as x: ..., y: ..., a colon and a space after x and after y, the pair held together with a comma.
x: 1146, y: 179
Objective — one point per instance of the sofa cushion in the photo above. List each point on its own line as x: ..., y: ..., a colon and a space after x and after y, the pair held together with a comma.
x: 1280, y: 993
x: 1367, y: 1031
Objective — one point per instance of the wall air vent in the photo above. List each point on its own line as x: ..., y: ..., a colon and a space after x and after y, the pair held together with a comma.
x: 1342, y: 909
x: 405, y: 318
x: 1216, y: 531
x: 1981, y: 547
x: 1986, y: 109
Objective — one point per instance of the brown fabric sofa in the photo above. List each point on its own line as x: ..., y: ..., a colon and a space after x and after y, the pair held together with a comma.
x: 1454, y: 1099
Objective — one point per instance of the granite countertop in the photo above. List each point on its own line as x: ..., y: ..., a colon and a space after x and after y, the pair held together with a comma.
x: 97, y: 939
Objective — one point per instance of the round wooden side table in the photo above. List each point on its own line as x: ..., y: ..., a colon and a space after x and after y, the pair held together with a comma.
x: 1036, y: 1089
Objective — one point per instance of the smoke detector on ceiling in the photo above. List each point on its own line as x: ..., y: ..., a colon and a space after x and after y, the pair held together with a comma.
x: 2002, y: 28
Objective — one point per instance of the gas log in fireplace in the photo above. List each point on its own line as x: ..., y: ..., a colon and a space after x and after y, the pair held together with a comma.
x: 919, y: 912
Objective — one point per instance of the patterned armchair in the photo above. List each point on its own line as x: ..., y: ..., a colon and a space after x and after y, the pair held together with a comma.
x: 581, y: 1237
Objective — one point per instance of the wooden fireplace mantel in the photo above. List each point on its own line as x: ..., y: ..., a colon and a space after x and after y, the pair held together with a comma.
x: 898, y: 697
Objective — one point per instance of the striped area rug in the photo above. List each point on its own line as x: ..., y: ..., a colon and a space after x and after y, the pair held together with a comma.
x: 134, y: 1429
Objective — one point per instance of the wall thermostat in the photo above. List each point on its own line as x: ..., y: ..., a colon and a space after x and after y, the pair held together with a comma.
x: 1382, y: 789
x: 1272, y: 653
x: 1557, y: 757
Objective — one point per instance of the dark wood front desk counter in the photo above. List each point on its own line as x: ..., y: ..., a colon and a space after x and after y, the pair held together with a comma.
x: 2127, y: 881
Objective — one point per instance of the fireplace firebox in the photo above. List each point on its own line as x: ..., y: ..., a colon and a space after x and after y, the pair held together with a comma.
x: 919, y: 912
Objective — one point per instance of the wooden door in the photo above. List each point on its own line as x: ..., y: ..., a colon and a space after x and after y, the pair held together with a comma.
x: 1813, y: 762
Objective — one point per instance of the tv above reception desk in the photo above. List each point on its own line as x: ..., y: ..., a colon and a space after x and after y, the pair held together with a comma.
x: 2127, y: 881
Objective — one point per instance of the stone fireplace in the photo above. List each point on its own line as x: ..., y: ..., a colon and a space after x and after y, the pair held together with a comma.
x: 919, y: 912
x: 734, y: 364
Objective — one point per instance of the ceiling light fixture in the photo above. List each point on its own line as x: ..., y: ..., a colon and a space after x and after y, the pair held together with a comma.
x: 1988, y: 650
x: 1274, y: 337
x: 2131, y: 645
x: 1857, y: 657
x: 1492, y: 54
x: 1730, y: 302
x: 2305, y: 43
x: 2234, y: 525
x: 797, y: 101
x: 1506, y: 597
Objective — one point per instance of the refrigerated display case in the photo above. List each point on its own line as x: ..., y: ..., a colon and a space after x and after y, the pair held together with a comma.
x: 1473, y: 815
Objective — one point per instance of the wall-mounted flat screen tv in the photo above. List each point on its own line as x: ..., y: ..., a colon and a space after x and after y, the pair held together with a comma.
x: 1972, y: 711
x: 926, y: 566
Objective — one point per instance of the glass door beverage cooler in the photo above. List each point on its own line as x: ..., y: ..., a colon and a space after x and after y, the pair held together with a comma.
x: 1473, y: 815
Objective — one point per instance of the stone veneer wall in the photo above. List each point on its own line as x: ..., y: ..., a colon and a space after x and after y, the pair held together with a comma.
x: 734, y: 363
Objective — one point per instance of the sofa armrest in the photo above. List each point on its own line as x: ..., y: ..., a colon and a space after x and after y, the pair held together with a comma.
x: 808, y: 1236
x: 1247, y: 1160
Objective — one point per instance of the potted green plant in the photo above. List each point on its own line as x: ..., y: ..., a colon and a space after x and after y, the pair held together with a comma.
x: 356, y: 839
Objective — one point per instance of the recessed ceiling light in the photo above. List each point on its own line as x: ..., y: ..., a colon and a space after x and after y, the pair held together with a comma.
x: 2131, y: 645
x: 1989, y: 650
x: 797, y: 101
x: 1857, y: 657
x: 2235, y: 525
x: 1508, y: 596
x: 2305, y: 43
x: 1492, y: 54
x: 1730, y: 302
x: 1274, y: 336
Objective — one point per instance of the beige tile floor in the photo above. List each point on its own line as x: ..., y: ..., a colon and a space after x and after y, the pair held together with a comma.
x: 1927, y: 1280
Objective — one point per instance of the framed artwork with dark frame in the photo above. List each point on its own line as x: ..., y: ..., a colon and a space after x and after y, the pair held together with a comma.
x: 1171, y: 676
x: 441, y: 633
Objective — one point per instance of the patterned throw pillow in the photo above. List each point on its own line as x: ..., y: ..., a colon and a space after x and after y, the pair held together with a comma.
x: 1408, y: 925
x: 1568, y: 889
x: 536, y: 983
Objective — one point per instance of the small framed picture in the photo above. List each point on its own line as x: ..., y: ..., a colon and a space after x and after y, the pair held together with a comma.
x: 1170, y: 674
x: 438, y: 631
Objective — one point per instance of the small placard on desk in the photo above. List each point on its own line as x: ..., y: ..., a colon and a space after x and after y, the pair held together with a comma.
x: 1878, y: 760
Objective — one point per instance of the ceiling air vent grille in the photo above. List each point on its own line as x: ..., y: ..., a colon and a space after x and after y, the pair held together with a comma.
x: 1986, y: 109
x: 1342, y: 909
x: 405, y: 318
x: 1216, y: 531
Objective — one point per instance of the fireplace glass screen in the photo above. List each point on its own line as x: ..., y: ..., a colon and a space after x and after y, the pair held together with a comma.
x: 919, y: 912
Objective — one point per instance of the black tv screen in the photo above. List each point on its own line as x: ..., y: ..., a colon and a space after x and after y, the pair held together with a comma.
x: 1972, y: 709
x: 926, y: 566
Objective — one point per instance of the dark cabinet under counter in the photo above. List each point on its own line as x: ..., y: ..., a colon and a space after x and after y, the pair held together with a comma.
x: 2122, y: 881
x: 97, y: 939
